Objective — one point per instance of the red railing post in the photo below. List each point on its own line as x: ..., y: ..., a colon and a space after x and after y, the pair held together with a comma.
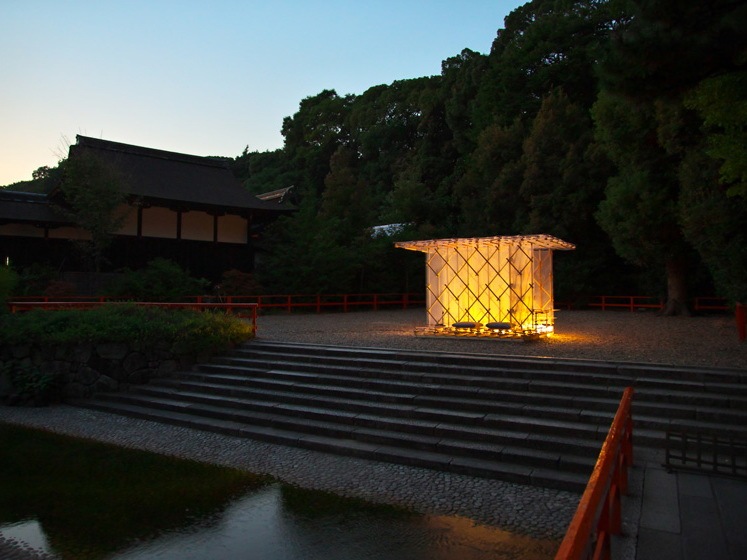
x: 345, y: 307
x: 592, y: 525
x: 254, y: 319
x: 741, y: 316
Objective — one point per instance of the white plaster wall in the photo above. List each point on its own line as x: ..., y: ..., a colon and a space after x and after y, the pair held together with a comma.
x: 232, y: 229
x: 21, y: 230
x: 197, y: 226
x: 159, y: 222
x: 68, y: 233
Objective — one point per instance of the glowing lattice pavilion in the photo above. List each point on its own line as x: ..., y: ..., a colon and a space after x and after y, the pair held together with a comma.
x: 500, y: 285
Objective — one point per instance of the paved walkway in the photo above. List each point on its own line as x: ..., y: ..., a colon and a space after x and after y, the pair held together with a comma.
x: 687, y: 516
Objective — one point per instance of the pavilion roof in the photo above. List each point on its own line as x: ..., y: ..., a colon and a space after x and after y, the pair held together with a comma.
x: 537, y: 241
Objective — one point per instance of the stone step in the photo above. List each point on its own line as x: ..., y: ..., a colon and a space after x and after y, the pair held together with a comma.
x: 390, y: 368
x: 673, y: 404
x: 467, y: 399
x: 401, y: 403
x: 454, y: 373
x: 560, y: 382
x: 534, y: 467
x: 371, y: 380
x: 535, y: 421
x: 421, y: 422
x: 592, y: 428
x: 431, y: 361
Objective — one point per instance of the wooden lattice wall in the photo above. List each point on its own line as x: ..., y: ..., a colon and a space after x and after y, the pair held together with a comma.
x: 490, y: 280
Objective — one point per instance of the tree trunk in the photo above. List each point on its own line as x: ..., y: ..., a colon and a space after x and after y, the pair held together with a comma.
x: 676, y: 288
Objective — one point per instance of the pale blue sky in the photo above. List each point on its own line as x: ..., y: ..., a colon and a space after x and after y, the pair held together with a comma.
x: 210, y: 77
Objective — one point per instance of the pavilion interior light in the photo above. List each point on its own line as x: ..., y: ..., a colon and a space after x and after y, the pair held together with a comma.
x: 503, y: 281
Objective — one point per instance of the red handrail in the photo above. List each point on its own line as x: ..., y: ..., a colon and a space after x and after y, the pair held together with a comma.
x: 710, y: 304
x: 599, y: 511
x: 320, y: 302
x: 630, y: 302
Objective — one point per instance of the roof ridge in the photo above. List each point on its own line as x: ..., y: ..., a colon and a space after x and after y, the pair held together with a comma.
x: 24, y: 196
x: 99, y: 143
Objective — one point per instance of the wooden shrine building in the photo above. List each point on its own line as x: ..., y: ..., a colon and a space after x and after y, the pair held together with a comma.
x: 186, y: 208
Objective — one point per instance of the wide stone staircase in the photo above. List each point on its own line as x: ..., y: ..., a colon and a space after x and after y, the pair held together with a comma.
x: 527, y: 420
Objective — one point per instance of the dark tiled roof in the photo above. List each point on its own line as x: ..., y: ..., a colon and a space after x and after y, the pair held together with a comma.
x: 194, y: 181
x: 35, y: 208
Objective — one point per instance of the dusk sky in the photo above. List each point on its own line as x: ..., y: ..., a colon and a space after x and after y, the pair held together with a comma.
x: 206, y: 78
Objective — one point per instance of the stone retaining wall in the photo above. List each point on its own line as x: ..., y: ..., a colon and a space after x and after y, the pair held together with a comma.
x: 85, y: 369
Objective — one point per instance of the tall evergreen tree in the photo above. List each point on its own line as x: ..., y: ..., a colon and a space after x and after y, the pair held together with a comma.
x: 670, y: 55
x: 563, y: 184
x: 639, y: 211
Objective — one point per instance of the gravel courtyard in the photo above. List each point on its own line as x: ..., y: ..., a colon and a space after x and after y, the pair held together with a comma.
x: 616, y: 336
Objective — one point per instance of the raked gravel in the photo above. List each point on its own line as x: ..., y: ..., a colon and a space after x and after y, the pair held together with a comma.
x: 613, y: 336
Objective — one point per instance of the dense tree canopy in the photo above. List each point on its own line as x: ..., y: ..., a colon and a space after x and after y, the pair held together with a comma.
x: 618, y: 125
x: 667, y: 115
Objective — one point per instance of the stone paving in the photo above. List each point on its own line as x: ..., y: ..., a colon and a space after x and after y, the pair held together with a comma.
x: 688, y: 516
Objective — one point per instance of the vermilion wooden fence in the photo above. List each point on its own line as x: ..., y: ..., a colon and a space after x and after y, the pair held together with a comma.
x: 599, y: 513
x: 634, y: 303
x: 322, y: 302
x: 346, y: 302
x: 628, y: 302
x: 286, y: 302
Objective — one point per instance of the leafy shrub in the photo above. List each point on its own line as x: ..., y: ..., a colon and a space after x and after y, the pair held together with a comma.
x: 237, y: 283
x: 60, y: 289
x: 8, y: 283
x: 35, y: 278
x: 161, y: 280
x: 184, y: 332
x: 31, y: 385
